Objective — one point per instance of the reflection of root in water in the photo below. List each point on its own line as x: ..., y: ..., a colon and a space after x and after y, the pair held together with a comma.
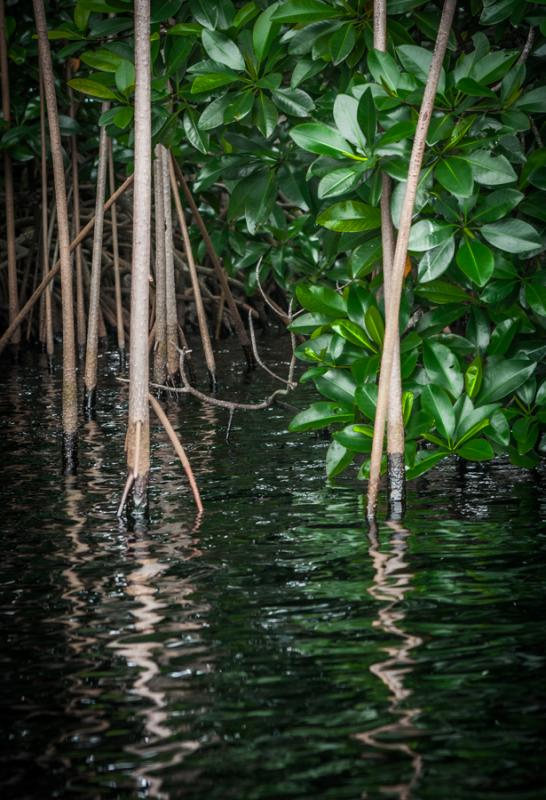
x: 390, y: 585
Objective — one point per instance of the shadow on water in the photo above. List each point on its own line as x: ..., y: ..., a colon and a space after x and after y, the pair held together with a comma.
x: 273, y: 648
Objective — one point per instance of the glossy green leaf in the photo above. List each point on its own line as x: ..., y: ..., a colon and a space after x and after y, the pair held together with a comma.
x: 342, y: 43
x: 476, y: 261
x: 436, y: 261
x: 427, y: 459
x: 355, y: 438
x: 437, y: 403
x: 350, y: 216
x: 339, y: 181
x: 221, y: 49
x: 294, y: 102
x: 315, y: 137
x: 427, y: 234
x: 473, y: 377
x: 442, y: 367
x: 375, y: 325
x: 346, y: 119
x: 476, y: 450
x: 535, y: 296
x: 503, y: 377
x: 320, y: 415
x: 264, y: 32
x: 497, y: 205
x: 490, y: 170
x: 93, y: 88
x: 266, y: 115
x: 338, y: 385
x: 338, y: 459
x: 353, y: 333
x: 512, y: 236
x: 212, y: 81
x: 455, y: 175
x: 321, y: 300
x: 441, y: 292
x: 304, y: 11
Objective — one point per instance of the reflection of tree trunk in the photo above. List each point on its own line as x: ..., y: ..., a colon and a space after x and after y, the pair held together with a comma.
x: 392, y: 580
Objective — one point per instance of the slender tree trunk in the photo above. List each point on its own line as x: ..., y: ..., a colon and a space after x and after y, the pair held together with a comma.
x: 395, y: 423
x: 138, y: 433
x: 13, y: 298
x: 70, y: 392
x: 197, y: 296
x: 48, y: 318
x: 37, y: 293
x: 92, y: 345
x: 120, y: 329
x: 76, y: 222
x: 242, y: 335
x: 170, y: 282
x: 160, y: 350
x: 399, y: 261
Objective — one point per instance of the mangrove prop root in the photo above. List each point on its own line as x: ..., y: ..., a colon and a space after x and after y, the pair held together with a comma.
x: 176, y: 443
x: 35, y: 296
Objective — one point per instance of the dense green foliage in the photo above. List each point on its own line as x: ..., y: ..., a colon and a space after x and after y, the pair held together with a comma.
x: 287, y: 117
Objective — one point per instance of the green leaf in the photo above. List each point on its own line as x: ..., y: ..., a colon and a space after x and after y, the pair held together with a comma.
x: 65, y: 34
x: 417, y: 60
x: 535, y: 296
x: 185, y: 29
x: 320, y: 415
x: 342, y: 43
x: 347, y: 121
x: 350, y: 216
x: 476, y: 450
x: 497, y: 205
x: 436, y: 401
x: 366, y: 399
x: 162, y: 10
x: 357, y: 438
x: 455, y: 175
x: 304, y: 11
x: 441, y: 292
x: 512, y: 236
x: 321, y: 300
x: 125, y: 76
x: 339, y: 181
x: 102, y: 59
x: 212, y: 81
x: 442, y: 367
x: 503, y: 336
x: 266, y: 115
x: 353, y: 333
x: 533, y: 102
x: 338, y: 459
x: 123, y: 117
x: 525, y: 432
x: 503, y: 377
x: 375, y: 325
x: 426, y: 459
x: 490, y: 170
x: 396, y: 133
x: 427, y: 234
x: 315, y: 137
x: 294, y: 102
x: 435, y: 262
x: 337, y: 385
x: 195, y: 136
x: 213, y: 115
x: 222, y: 50
x: 474, y: 89
x: 264, y: 32
x: 367, y: 118
x: 384, y: 69
x: 93, y: 88
x: 476, y: 261
x: 473, y: 377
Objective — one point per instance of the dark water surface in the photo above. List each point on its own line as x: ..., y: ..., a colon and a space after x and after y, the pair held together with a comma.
x: 274, y: 648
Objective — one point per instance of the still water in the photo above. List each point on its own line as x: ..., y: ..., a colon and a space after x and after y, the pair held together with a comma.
x: 273, y: 648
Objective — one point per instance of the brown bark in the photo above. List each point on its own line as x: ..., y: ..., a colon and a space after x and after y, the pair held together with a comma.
x: 395, y: 422
x: 76, y: 223
x: 94, y: 316
x: 399, y: 261
x: 170, y: 281
x: 120, y: 330
x: 221, y: 276
x: 70, y: 391
x: 197, y: 296
x: 13, y: 297
x: 37, y: 293
x: 160, y: 350
x: 48, y: 317
x: 138, y: 433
